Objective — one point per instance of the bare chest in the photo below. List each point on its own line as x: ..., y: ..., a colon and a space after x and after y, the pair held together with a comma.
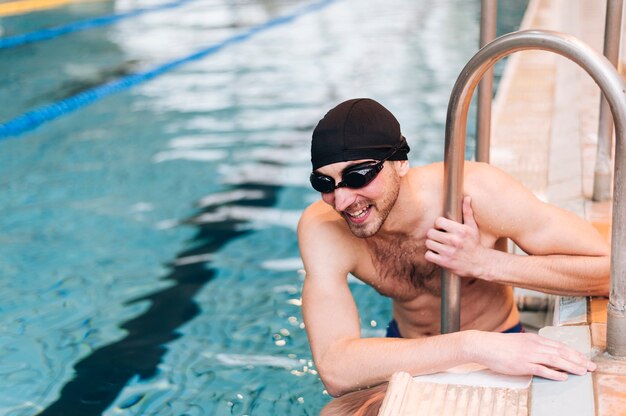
x: 398, y: 269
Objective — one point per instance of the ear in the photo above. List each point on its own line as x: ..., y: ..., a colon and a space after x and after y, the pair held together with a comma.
x: 402, y: 167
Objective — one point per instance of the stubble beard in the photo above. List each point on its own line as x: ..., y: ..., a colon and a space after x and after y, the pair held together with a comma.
x: 374, y: 223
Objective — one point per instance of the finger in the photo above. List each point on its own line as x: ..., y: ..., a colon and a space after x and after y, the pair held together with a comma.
x: 440, y: 236
x: 437, y: 247
x: 558, y: 362
x: 591, y: 366
x: 447, y: 225
x: 433, y: 257
x: 568, y: 353
x: 545, y: 372
x: 468, y: 213
x: 577, y: 358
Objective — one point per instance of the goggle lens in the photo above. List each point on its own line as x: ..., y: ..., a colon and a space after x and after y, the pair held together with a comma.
x: 321, y: 183
x: 354, y: 178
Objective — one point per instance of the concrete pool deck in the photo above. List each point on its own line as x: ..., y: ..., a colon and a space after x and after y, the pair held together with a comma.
x: 545, y: 122
x: 545, y: 125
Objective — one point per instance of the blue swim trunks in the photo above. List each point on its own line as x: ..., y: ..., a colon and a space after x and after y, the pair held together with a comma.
x: 394, y: 332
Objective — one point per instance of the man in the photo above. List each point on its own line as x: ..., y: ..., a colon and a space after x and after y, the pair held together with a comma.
x: 382, y: 222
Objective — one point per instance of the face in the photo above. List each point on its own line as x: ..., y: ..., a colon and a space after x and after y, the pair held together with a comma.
x: 364, y: 209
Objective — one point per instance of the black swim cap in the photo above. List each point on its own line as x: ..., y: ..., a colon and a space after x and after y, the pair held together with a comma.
x: 356, y: 129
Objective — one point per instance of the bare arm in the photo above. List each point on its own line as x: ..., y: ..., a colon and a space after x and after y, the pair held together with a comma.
x: 347, y: 362
x: 567, y: 255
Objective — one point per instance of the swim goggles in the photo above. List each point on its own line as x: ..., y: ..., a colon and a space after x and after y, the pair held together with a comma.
x: 354, y: 177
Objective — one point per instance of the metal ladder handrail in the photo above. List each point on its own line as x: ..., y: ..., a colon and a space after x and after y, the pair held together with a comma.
x: 602, y: 169
x: 488, y: 20
x: 614, y: 89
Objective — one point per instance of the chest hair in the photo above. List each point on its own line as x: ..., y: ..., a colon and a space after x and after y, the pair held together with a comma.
x: 401, y: 268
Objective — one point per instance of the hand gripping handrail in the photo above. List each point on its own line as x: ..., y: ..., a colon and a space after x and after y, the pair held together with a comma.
x: 614, y: 90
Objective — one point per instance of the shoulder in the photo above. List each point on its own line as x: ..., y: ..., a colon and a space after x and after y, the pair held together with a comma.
x: 427, y: 179
x: 319, y: 218
x: 325, y: 241
x: 480, y: 180
x: 473, y: 171
x: 483, y: 176
x: 501, y: 203
x: 490, y: 185
x: 320, y: 222
x: 430, y: 172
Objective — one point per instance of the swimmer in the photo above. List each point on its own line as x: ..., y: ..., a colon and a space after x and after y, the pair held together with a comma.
x: 382, y: 221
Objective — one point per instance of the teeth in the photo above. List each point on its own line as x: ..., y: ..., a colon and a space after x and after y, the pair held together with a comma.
x: 358, y: 214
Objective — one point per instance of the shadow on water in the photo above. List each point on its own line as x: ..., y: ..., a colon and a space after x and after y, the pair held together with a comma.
x: 101, y: 376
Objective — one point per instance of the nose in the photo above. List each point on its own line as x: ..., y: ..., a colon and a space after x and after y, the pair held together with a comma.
x: 343, y: 198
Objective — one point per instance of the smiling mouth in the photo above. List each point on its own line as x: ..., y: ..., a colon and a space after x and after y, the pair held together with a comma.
x: 357, y: 216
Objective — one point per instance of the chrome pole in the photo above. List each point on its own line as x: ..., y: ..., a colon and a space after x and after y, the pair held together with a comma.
x: 614, y: 89
x: 451, y: 314
x: 488, y: 18
x: 602, y: 170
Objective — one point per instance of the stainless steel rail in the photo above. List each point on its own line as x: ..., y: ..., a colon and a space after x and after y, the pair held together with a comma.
x: 614, y: 89
x: 488, y: 17
x: 602, y: 170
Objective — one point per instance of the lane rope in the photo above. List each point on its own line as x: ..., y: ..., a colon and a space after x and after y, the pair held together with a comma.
x: 54, y: 32
x: 35, y: 118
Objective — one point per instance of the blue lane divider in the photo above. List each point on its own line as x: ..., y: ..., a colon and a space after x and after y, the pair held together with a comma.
x: 33, y: 119
x: 53, y: 32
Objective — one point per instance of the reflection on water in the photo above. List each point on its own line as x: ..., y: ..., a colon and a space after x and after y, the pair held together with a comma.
x: 100, y: 377
x: 149, y: 257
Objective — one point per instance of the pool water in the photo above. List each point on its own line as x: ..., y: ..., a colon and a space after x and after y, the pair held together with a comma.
x: 149, y: 262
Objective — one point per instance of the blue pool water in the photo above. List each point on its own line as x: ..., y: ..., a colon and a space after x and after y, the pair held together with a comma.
x: 148, y: 257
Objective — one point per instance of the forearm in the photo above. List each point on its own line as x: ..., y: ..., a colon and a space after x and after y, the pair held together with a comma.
x: 361, y: 363
x: 557, y: 274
